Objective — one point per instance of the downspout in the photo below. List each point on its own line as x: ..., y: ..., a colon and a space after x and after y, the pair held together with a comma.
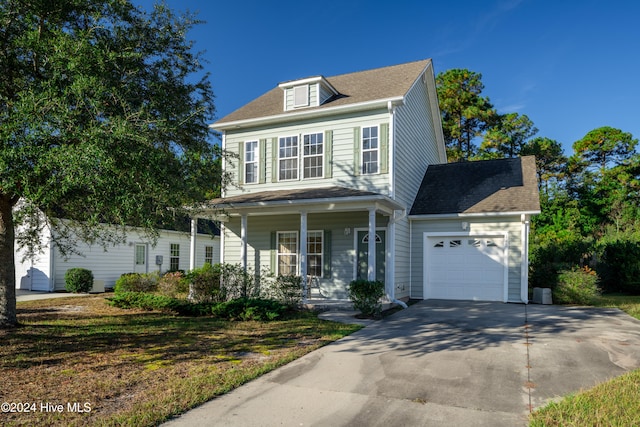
x: 524, y: 272
x: 392, y: 230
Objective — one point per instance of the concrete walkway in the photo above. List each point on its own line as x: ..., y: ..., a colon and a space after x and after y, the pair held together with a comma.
x: 438, y: 363
x: 23, y: 295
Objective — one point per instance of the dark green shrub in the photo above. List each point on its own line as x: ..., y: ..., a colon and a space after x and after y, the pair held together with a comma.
x: 249, y: 309
x: 366, y: 296
x: 78, y: 280
x: 576, y: 286
x: 147, y: 301
x: 619, y: 267
x: 136, y: 282
x: 548, y: 259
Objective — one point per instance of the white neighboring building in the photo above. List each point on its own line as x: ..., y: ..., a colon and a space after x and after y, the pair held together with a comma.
x: 171, y: 252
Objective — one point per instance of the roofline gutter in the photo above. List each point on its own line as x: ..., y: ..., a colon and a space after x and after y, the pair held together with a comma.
x: 471, y: 215
x: 369, y: 105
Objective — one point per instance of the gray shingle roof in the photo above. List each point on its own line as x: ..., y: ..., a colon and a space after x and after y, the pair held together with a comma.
x: 360, y: 87
x: 491, y: 186
x: 296, y: 194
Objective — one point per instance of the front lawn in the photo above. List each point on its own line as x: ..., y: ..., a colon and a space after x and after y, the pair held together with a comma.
x: 133, y: 367
x: 612, y: 403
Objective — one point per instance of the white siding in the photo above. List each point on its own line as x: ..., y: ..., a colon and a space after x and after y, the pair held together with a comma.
x: 34, y: 274
x: 511, y: 225
x: 47, y: 270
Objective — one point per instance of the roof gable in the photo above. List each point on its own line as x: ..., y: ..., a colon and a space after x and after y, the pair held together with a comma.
x: 351, y: 89
x: 490, y: 186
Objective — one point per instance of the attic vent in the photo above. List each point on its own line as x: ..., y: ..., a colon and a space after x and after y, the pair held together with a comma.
x: 301, y: 96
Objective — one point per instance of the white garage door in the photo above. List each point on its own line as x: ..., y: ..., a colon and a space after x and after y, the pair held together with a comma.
x: 465, y: 267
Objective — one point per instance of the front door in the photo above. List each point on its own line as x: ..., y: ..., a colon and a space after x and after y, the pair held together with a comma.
x: 363, y: 254
x: 140, y: 258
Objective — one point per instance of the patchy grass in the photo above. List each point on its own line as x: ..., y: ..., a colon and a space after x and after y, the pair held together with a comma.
x: 612, y: 403
x: 137, y: 368
x: 626, y: 303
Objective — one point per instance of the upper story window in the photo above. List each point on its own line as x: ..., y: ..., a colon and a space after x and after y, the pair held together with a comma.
x: 251, y: 162
x: 312, y: 155
x: 288, y: 158
x: 370, y: 150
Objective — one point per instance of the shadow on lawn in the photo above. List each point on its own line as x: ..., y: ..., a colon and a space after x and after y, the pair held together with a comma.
x: 52, y: 336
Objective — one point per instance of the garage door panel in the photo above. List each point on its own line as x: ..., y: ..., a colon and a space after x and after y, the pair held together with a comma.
x: 470, y: 268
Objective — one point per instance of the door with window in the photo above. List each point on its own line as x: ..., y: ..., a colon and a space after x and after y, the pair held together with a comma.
x: 363, y: 254
x: 140, y: 258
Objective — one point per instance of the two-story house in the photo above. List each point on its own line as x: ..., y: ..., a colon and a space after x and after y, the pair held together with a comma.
x: 327, y: 176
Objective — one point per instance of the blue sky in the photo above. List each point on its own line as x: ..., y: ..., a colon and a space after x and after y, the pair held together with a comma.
x: 571, y: 66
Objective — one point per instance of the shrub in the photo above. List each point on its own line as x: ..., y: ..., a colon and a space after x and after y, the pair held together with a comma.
x: 204, y: 284
x: 136, y: 282
x: 619, y: 267
x: 249, y: 309
x: 173, y: 284
x: 78, y: 280
x: 548, y: 259
x: 237, y: 282
x: 366, y: 296
x: 146, y: 301
x: 576, y: 286
x: 287, y: 290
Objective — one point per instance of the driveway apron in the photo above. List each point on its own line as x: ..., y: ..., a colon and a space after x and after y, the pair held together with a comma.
x: 438, y: 363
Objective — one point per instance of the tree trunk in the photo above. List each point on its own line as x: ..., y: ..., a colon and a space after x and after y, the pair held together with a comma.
x: 7, y: 265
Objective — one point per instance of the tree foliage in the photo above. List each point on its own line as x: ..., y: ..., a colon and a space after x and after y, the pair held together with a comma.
x: 104, y: 111
x: 508, y: 137
x: 465, y: 113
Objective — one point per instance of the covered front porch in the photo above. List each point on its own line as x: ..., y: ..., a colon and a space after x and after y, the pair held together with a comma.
x: 321, y: 235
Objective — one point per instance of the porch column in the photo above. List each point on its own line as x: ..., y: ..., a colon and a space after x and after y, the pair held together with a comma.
x: 243, y: 240
x: 371, y: 269
x: 192, y: 252
x: 303, y: 253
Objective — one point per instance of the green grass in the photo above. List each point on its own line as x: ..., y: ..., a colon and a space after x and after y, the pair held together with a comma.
x: 138, y: 368
x: 612, y: 403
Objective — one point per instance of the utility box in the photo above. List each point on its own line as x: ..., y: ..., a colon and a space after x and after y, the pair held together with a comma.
x: 98, y: 287
x: 542, y: 296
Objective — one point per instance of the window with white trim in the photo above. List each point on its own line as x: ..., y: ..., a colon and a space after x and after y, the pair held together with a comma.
x: 208, y: 254
x: 251, y: 162
x: 287, y: 253
x: 370, y: 150
x: 315, y: 250
x: 312, y: 155
x: 288, y: 158
x: 174, y: 259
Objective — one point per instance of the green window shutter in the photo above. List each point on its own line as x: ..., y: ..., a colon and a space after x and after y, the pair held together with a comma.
x: 272, y: 252
x: 328, y: 154
x: 274, y: 160
x: 262, y: 165
x: 384, y: 148
x: 356, y: 151
x: 241, y: 164
x: 326, y: 254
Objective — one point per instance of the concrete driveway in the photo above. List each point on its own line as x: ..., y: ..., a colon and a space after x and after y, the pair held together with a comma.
x: 438, y: 363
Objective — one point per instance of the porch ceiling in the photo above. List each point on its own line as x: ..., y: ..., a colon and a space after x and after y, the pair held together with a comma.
x: 334, y: 199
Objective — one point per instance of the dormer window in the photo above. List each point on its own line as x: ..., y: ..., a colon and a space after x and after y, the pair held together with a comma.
x: 301, y: 96
x: 304, y: 93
